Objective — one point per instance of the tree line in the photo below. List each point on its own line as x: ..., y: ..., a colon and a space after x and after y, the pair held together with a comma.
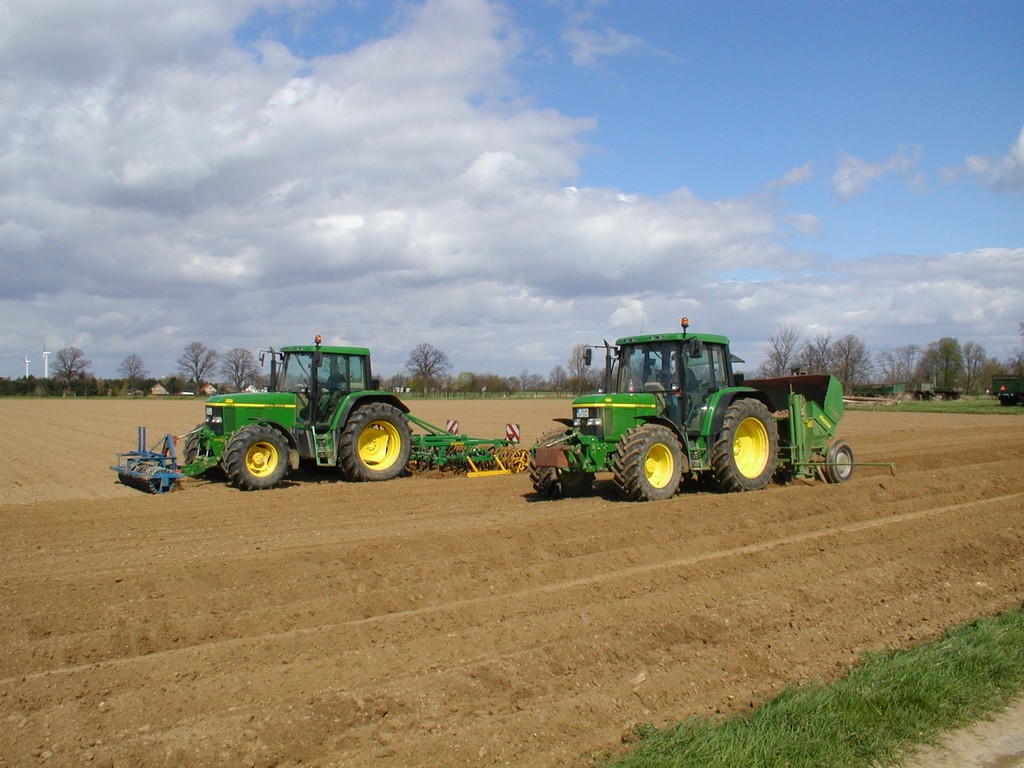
x: 198, y: 365
x: 944, y: 364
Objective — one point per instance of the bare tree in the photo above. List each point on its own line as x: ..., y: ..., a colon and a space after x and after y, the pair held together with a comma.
x: 780, y: 352
x: 427, y: 363
x: 851, y: 361
x: 132, y: 370
x: 70, y: 365
x: 239, y: 368
x: 1016, y: 361
x: 580, y: 377
x: 197, y: 362
x: 897, y: 365
x: 975, y: 360
x: 530, y: 381
x: 558, y: 379
x: 816, y: 355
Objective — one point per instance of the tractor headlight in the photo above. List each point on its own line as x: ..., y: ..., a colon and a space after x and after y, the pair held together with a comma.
x: 215, y: 419
x: 583, y: 418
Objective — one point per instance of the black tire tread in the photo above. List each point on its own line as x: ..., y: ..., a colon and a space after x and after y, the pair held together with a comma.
x: 234, y: 458
x: 723, y: 467
x: 628, y: 465
x: 348, y: 455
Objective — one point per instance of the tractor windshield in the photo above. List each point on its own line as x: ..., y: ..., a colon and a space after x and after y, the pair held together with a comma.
x: 648, y: 368
x: 295, y: 372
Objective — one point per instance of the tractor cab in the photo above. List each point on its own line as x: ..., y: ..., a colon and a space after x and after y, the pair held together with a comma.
x: 319, y: 377
x: 681, y: 370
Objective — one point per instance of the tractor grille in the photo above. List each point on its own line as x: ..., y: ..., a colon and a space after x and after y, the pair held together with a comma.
x: 215, y: 419
x: 589, y: 421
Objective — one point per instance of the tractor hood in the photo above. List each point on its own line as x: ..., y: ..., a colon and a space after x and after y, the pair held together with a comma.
x: 615, y: 400
x: 227, y: 413
x: 243, y: 399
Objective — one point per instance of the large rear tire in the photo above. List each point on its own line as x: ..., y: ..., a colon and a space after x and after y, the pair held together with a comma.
x: 747, y: 450
x: 648, y: 464
x: 256, y: 458
x: 375, y: 443
x: 839, y: 462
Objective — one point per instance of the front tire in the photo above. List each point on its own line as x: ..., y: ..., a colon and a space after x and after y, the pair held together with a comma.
x: 747, y: 450
x: 555, y: 483
x: 560, y: 483
x: 375, y: 443
x: 256, y: 458
x: 839, y: 462
x: 648, y: 464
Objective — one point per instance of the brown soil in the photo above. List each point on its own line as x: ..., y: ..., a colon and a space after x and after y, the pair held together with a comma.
x: 460, y: 622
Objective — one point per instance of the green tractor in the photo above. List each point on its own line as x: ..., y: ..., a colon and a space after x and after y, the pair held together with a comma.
x: 322, y: 407
x: 672, y: 411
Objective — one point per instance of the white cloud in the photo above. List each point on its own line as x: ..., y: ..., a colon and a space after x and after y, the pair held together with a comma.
x: 804, y: 223
x: 587, y: 46
x: 173, y: 185
x: 853, y: 175
x: 1005, y: 174
x: 793, y: 176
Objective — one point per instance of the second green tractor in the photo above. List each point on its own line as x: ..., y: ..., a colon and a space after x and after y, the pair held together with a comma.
x: 672, y: 411
x: 322, y: 406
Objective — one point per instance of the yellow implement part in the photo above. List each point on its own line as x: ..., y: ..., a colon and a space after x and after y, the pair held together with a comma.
x: 487, y: 472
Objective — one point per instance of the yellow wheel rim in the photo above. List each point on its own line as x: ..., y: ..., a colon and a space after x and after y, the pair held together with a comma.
x: 379, y: 445
x: 750, y: 447
x: 261, y: 459
x: 659, y: 466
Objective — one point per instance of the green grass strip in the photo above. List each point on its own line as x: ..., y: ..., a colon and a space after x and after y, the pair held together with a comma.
x: 889, y: 703
x: 988, y: 406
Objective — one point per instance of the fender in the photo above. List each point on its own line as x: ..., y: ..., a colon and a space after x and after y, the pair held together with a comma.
x: 357, y: 399
x: 725, y: 399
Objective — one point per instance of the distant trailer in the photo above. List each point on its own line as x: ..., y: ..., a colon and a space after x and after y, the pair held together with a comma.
x: 927, y: 391
x: 1008, y: 389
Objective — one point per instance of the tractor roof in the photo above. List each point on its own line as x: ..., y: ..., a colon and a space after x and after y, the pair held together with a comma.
x: 707, y: 338
x: 363, y: 351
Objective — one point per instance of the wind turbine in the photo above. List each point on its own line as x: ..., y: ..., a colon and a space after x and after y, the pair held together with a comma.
x: 46, y: 364
x: 27, y: 361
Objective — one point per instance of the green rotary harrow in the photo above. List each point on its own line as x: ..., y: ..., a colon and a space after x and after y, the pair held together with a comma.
x: 439, y: 449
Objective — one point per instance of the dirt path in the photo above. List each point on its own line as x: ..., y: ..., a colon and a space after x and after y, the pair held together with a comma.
x: 458, y: 622
x: 995, y: 743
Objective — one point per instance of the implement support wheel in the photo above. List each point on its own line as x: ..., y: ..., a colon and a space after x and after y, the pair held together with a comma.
x: 839, y: 462
x: 747, y: 449
x: 375, y: 443
x: 648, y: 463
x: 256, y: 458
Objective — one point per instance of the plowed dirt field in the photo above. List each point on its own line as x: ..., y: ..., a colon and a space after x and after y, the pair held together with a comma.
x: 446, y: 621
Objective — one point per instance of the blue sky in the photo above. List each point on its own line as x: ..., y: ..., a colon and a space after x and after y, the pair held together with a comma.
x: 503, y: 180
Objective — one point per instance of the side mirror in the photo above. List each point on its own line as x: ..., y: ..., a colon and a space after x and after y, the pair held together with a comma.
x: 318, y: 359
x: 588, y: 356
x: 696, y: 348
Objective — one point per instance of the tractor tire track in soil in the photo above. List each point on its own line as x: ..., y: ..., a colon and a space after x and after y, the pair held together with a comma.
x: 445, y: 621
